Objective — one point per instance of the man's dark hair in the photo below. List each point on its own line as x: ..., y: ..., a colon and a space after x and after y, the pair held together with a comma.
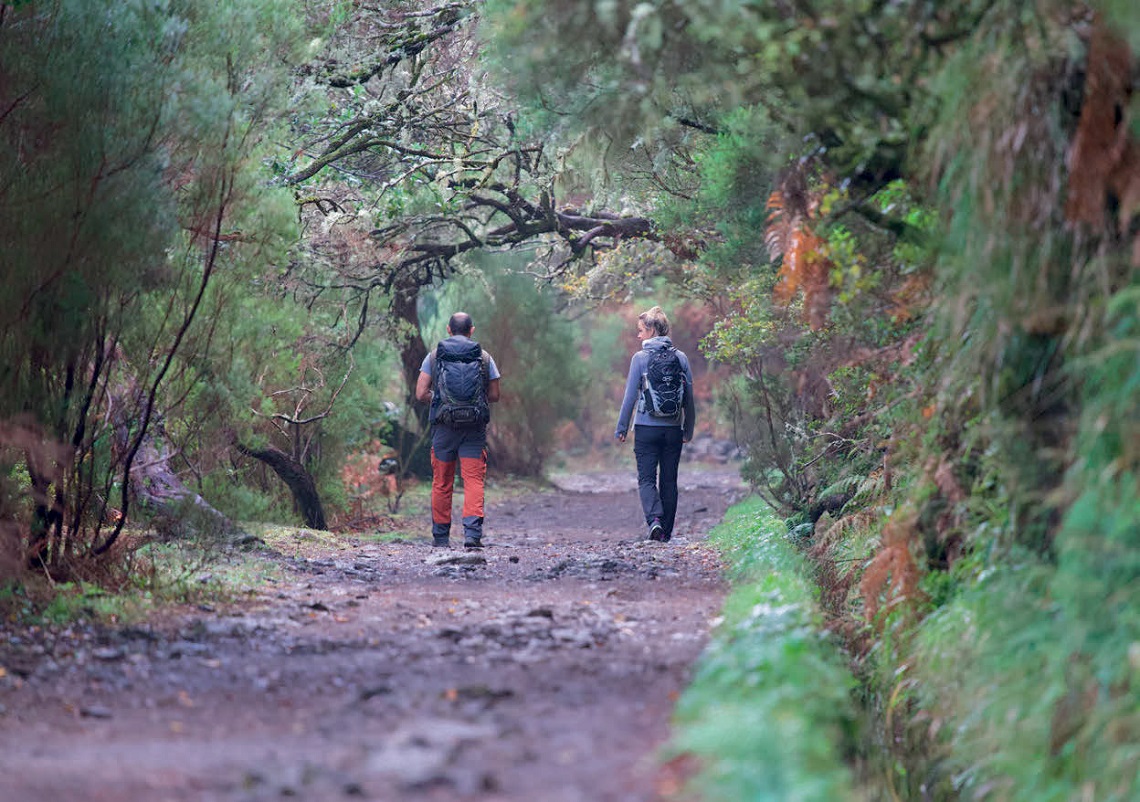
x: 460, y: 324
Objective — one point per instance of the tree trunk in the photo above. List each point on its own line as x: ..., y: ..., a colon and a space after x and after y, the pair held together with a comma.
x: 175, y: 509
x: 411, y: 346
x: 298, y: 479
x: 172, y: 509
x: 47, y: 520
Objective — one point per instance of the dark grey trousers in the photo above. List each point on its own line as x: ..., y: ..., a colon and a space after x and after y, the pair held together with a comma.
x: 658, y: 453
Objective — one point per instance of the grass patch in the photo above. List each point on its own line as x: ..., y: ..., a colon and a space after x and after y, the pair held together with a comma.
x: 299, y: 542
x: 392, y: 537
x: 769, y: 713
x: 139, y: 578
x: 75, y: 601
x: 144, y: 575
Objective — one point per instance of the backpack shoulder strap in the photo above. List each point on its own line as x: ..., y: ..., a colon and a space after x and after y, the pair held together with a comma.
x: 646, y: 358
x: 436, y: 374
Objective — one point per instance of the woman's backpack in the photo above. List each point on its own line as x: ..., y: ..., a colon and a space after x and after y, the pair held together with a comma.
x: 663, y: 384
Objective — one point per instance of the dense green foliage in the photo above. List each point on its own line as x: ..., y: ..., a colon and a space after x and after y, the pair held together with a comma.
x: 924, y: 219
x: 129, y: 183
x: 768, y: 712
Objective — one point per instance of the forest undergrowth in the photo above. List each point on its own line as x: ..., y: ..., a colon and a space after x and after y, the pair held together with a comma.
x: 769, y: 714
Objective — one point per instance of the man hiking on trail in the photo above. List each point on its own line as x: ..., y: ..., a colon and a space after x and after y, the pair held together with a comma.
x: 660, y: 384
x: 461, y: 380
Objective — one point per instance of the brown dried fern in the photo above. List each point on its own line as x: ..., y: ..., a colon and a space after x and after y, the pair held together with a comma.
x: 804, y: 266
x: 891, y: 578
x: 911, y: 297
x: 1104, y: 159
x: 826, y: 537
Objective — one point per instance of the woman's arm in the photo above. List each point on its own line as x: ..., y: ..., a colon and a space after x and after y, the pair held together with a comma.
x: 632, y: 383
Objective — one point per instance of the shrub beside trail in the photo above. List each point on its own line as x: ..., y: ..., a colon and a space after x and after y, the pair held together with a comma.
x: 769, y: 713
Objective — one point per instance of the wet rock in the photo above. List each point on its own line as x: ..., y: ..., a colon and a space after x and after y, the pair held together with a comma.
x: 378, y: 690
x: 456, y: 559
x: 184, y: 648
x: 19, y: 665
x: 109, y: 654
x: 468, y: 572
x: 418, y: 754
x: 482, y: 693
x: 221, y: 629
x: 135, y: 633
x: 592, y: 568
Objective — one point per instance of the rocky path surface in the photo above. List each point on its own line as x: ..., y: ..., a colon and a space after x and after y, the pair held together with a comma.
x: 543, y: 668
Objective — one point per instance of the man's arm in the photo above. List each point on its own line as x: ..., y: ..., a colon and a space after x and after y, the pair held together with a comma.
x: 491, y: 369
x: 423, y: 388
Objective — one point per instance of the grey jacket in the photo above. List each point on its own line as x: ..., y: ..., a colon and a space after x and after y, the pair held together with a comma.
x: 637, y: 366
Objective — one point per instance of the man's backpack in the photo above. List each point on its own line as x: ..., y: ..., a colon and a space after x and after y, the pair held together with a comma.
x: 460, y: 374
x: 663, y: 384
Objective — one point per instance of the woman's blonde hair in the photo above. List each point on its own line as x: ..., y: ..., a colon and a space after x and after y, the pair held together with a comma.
x: 655, y: 319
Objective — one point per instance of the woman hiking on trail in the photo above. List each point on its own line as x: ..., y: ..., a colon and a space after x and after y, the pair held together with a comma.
x: 660, y: 384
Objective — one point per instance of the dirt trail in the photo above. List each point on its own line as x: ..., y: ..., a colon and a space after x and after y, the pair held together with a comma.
x: 393, y: 672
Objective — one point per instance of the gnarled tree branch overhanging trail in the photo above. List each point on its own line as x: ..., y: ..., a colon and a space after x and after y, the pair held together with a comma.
x: 544, y: 667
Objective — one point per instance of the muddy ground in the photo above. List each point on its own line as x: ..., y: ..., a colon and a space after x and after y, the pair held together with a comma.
x: 543, y: 668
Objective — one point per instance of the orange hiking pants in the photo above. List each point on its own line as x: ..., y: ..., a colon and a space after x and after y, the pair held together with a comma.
x: 474, y: 473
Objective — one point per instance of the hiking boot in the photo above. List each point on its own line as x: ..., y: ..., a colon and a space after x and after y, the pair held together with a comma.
x: 470, y: 542
x: 441, y: 542
x: 657, y: 531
